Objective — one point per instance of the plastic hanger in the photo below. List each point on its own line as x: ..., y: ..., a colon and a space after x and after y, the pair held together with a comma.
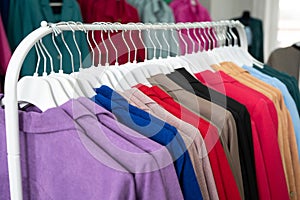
x: 193, y: 57
x: 59, y: 93
x: 169, y: 68
x: 196, y: 61
x: 113, y: 72
x: 212, y: 58
x: 132, y: 71
x: 242, y: 50
x: 80, y: 77
x: 111, y: 76
x: 70, y: 83
x: 231, y: 50
x: 96, y: 70
x: 100, y: 70
x: 85, y: 73
x: 159, y: 65
x: 172, y: 62
x: 138, y: 70
x: 67, y: 85
x: 28, y: 86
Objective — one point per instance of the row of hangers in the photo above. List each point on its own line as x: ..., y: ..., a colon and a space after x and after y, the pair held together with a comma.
x: 56, y: 88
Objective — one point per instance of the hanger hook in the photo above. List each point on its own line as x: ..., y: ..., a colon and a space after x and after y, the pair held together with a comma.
x: 214, y: 36
x: 109, y: 25
x: 68, y: 48
x: 181, y: 37
x: 97, y: 46
x: 48, y: 54
x: 131, y: 40
x: 210, y: 40
x: 141, y: 38
x: 151, y: 41
x: 81, y: 27
x: 103, y: 24
x: 165, y: 38
x: 189, y: 36
x: 204, y: 36
x: 196, y: 36
x: 91, y: 47
x: 235, y: 38
x: 159, y: 44
x: 220, y: 35
x: 44, y: 58
x: 38, y: 60
x: 75, y: 41
x: 55, y: 33
x: 124, y: 40
x: 178, y: 53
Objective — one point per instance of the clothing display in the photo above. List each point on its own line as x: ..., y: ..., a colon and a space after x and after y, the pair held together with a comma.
x: 220, y: 117
x: 142, y: 99
x: 286, y: 134
x: 163, y: 133
x: 242, y: 119
x: 209, y: 132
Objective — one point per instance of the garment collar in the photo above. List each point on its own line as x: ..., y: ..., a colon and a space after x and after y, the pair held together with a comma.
x: 164, y: 82
x: 66, y: 11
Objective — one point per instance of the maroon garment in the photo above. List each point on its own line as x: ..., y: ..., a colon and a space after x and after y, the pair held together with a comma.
x: 113, y: 11
x: 5, y: 52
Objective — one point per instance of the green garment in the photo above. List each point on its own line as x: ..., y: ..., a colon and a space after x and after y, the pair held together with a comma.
x: 156, y: 11
x: 168, y: 1
x: 256, y: 49
x: 290, y: 82
x: 26, y: 16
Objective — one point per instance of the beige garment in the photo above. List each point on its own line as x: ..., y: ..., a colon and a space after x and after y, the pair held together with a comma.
x: 286, y: 134
x: 217, y: 115
x: 190, y: 135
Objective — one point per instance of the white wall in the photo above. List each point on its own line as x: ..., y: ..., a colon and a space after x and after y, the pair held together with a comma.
x: 228, y: 9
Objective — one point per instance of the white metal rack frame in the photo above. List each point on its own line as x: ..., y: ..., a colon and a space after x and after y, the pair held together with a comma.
x: 17, y: 59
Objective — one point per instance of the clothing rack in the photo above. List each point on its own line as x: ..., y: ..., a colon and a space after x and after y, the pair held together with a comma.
x: 15, y: 65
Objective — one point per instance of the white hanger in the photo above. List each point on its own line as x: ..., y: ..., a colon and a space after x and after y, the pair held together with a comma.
x: 166, y: 61
x: 132, y: 71
x: 80, y: 78
x: 138, y: 70
x: 70, y: 84
x: 212, y: 58
x: 160, y: 65
x: 242, y: 50
x: 57, y: 88
x: 114, y: 73
x: 173, y: 62
x: 196, y: 62
x: 100, y: 70
x: 232, y: 49
x: 153, y: 67
x: 85, y: 73
x: 28, y: 86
